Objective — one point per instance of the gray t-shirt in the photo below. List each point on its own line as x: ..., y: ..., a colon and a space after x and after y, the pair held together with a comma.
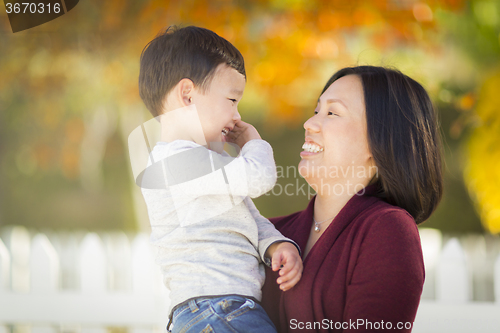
x: 210, y: 237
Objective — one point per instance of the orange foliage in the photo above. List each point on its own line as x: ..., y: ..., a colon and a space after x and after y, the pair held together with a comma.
x: 112, y: 10
x: 467, y: 101
x: 74, y: 130
x: 282, y: 42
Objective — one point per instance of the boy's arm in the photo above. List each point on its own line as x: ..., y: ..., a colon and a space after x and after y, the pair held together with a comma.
x: 252, y: 173
x: 196, y: 170
x: 277, y: 251
x: 268, y: 234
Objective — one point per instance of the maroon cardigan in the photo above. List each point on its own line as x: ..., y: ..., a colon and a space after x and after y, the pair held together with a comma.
x: 366, y: 267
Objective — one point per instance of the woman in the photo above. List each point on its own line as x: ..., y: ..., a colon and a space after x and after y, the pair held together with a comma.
x: 372, y: 154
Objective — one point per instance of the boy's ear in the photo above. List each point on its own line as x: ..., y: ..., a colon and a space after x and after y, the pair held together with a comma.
x: 185, y: 91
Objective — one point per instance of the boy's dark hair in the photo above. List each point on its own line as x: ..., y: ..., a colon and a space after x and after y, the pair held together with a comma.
x: 179, y: 53
x: 403, y: 137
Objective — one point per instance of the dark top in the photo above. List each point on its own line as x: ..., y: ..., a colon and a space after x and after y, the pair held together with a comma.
x: 367, y: 267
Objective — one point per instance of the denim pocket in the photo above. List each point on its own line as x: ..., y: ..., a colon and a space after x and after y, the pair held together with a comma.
x: 229, y: 304
x: 189, y: 316
x: 179, y: 311
x: 241, y: 309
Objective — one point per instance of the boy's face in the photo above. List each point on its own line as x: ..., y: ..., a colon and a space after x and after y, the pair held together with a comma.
x: 218, y: 106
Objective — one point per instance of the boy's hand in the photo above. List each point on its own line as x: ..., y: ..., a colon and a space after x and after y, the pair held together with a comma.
x: 286, y: 256
x: 241, y: 133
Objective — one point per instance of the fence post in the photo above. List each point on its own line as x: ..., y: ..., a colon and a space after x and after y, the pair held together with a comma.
x: 17, y: 240
x: 452, y: 281
x: 146, y: 277
x: 496, y: 280
x: 69, y: 261
x: 44, y: 266
x: 4, y: 276
x: 145, y: 272
x: 431, y: 240
x: 92, y: 265
x: 93, y: 277
x: 44, y: 275
x: 119, y: 261
x: 4, y: 267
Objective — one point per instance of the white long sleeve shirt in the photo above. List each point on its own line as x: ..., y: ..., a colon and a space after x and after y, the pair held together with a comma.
x: 211, y: 239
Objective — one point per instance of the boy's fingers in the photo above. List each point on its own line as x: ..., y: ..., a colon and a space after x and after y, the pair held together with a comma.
x: 290, y: 264
x: 276, y: 261
x: 289, y: 284
x: 287, y: 267
x: 240, y: 124
x: 290, y: 275
x: 293, y: 279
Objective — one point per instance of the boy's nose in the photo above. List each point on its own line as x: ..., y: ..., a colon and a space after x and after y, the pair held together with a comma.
x: 236, y: 116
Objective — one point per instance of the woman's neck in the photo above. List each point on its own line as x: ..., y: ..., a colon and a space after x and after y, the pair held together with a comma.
x: 328, y: 204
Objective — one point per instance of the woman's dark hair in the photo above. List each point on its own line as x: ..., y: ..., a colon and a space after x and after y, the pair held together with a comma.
x: 403, y: 137
x: 179, y: 53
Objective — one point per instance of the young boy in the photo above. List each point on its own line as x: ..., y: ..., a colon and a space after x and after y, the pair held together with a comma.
x: 211, y: 239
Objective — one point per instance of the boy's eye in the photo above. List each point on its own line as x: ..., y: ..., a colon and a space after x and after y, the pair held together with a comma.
x: 232, y: 100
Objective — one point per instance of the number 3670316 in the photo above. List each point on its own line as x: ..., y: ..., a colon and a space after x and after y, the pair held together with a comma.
x: 33, y: 8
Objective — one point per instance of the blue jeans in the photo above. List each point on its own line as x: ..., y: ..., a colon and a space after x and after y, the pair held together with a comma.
x: 232, y: 313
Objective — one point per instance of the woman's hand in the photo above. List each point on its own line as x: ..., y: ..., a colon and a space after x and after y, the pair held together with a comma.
x: 286, y: 256
x: 241, y: 133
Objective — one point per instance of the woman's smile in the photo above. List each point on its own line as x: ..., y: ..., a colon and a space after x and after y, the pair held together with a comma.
x: 311, y: 148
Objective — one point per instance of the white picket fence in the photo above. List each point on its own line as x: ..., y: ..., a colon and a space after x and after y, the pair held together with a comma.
x: 85, y: 282
x: 462, y: 286
x: 79, y: 283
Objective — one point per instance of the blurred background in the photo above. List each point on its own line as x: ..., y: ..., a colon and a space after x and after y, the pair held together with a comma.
x: 69, y: 98
x: 73, y: 224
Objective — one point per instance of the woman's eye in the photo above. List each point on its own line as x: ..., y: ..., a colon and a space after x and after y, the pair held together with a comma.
x: 330, y: 113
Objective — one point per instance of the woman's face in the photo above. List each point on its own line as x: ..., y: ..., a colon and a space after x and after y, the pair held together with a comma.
x: 336, y: 145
